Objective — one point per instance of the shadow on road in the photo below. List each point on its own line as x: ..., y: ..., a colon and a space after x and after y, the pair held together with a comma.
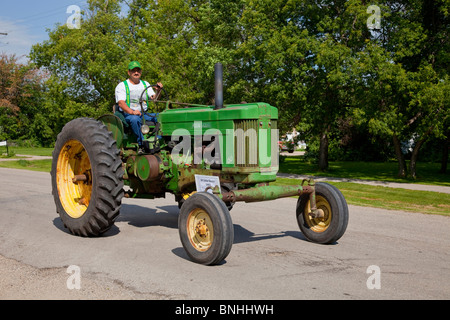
x: 167, y: 216
x: 137, y: 216
x: 242, y: 235
x: 141, y: 217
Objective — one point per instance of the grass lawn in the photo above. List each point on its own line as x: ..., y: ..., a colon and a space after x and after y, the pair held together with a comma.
x: 388, y: 198
x: 355, y: 194
x: 427, y: 173
x: 34, y: 165
x: 28, y: 151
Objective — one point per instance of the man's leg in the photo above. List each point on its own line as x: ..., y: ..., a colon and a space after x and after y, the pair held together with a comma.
x: 135, y: 122
x: 151, y: 117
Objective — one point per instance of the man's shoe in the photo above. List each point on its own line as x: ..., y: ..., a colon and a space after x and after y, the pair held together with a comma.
x: 141, y: 150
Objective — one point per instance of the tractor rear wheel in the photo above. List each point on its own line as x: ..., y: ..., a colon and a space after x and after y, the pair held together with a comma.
x: 332, y: 225
x: 205, y: 228
x: 87, y: 177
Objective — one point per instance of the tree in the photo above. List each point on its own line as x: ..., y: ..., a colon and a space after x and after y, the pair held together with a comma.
x: 339, y: 34
x: 91, y: 60
x: 270, y: 62
x: 402, y: 80
x: 20, y: 86
x: 317, y: 61
x: 182, y: 41
x: 431, y: 104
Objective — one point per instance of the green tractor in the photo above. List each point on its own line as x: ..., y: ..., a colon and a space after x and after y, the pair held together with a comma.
x: 209, y: 157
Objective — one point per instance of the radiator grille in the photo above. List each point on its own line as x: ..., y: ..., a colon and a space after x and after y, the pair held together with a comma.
x: 246, y: 143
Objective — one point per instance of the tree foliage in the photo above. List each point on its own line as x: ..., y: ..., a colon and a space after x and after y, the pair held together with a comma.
x: 344, y: 85
x: 403, y: 76
x: 20, y: 97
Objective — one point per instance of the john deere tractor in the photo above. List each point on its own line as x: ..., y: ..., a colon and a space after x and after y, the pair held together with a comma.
x: 207, y: 156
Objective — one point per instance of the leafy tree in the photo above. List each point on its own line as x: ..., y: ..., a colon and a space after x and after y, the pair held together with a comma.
x: 338, y: 33
x: 317, y: 61
x: 182, y: 40
x: 401, y: 82
x: 20, y: 86
x: 271, y: 61
x: 91, y: 60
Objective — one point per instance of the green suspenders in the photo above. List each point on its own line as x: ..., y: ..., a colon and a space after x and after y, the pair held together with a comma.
x: 127, y: 88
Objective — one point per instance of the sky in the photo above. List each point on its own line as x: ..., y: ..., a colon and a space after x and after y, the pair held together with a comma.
x: 26, y: 21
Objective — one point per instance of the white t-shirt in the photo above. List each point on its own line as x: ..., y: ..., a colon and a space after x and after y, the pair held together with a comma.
x: 135, y: 94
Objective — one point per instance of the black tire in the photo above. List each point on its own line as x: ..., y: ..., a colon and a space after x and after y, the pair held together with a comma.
x: 212, y: 244
x: 330, y: 228
x: 86, y: 147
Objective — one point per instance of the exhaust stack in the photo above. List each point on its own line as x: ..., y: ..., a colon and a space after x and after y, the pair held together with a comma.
x: 218, y: 86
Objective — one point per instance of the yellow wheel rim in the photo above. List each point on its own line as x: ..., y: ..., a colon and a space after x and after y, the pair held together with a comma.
x: 73, y: 160
x: 318, y: 224
x: 200, y: 229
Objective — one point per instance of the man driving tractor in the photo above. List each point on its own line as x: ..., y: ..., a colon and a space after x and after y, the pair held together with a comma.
x: 128, y: 94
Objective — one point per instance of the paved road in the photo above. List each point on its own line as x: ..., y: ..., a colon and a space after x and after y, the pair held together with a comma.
x: 142, y: 257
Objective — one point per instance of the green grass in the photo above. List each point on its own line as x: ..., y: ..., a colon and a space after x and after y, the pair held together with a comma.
x: 34, y: 165
x: 427, y: 173
x: 355, y: 194
x: 427, y: 202
x: 29, y: 151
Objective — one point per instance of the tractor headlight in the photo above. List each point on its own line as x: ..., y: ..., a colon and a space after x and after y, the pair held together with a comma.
x: 145, y: 129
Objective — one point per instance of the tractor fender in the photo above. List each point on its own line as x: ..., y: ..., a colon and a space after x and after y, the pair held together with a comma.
x: 115, y: 125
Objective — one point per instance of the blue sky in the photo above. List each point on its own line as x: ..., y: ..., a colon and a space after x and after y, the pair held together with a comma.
x: 26, y: 22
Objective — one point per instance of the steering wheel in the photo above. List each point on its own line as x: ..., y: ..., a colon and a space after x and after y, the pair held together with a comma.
x: 154, y: 100
x: 145, y: 127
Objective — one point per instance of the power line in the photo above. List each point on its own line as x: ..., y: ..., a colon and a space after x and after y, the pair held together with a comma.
x: 23, y: 23
x: 47, y: 13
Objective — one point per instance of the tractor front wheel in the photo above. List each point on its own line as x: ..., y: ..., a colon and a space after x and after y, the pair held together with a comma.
x: 87, y: 175
x: 332, y: 225
x: 205, y: 228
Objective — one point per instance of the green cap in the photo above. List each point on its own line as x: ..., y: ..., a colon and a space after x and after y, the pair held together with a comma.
x: 134, y: 64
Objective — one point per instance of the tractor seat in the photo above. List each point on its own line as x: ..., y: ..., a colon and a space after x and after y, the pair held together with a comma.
x: 119, y: 115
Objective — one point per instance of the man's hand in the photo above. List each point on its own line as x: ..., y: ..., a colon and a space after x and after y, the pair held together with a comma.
x: 157, y: 88
x: 127, y: 109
